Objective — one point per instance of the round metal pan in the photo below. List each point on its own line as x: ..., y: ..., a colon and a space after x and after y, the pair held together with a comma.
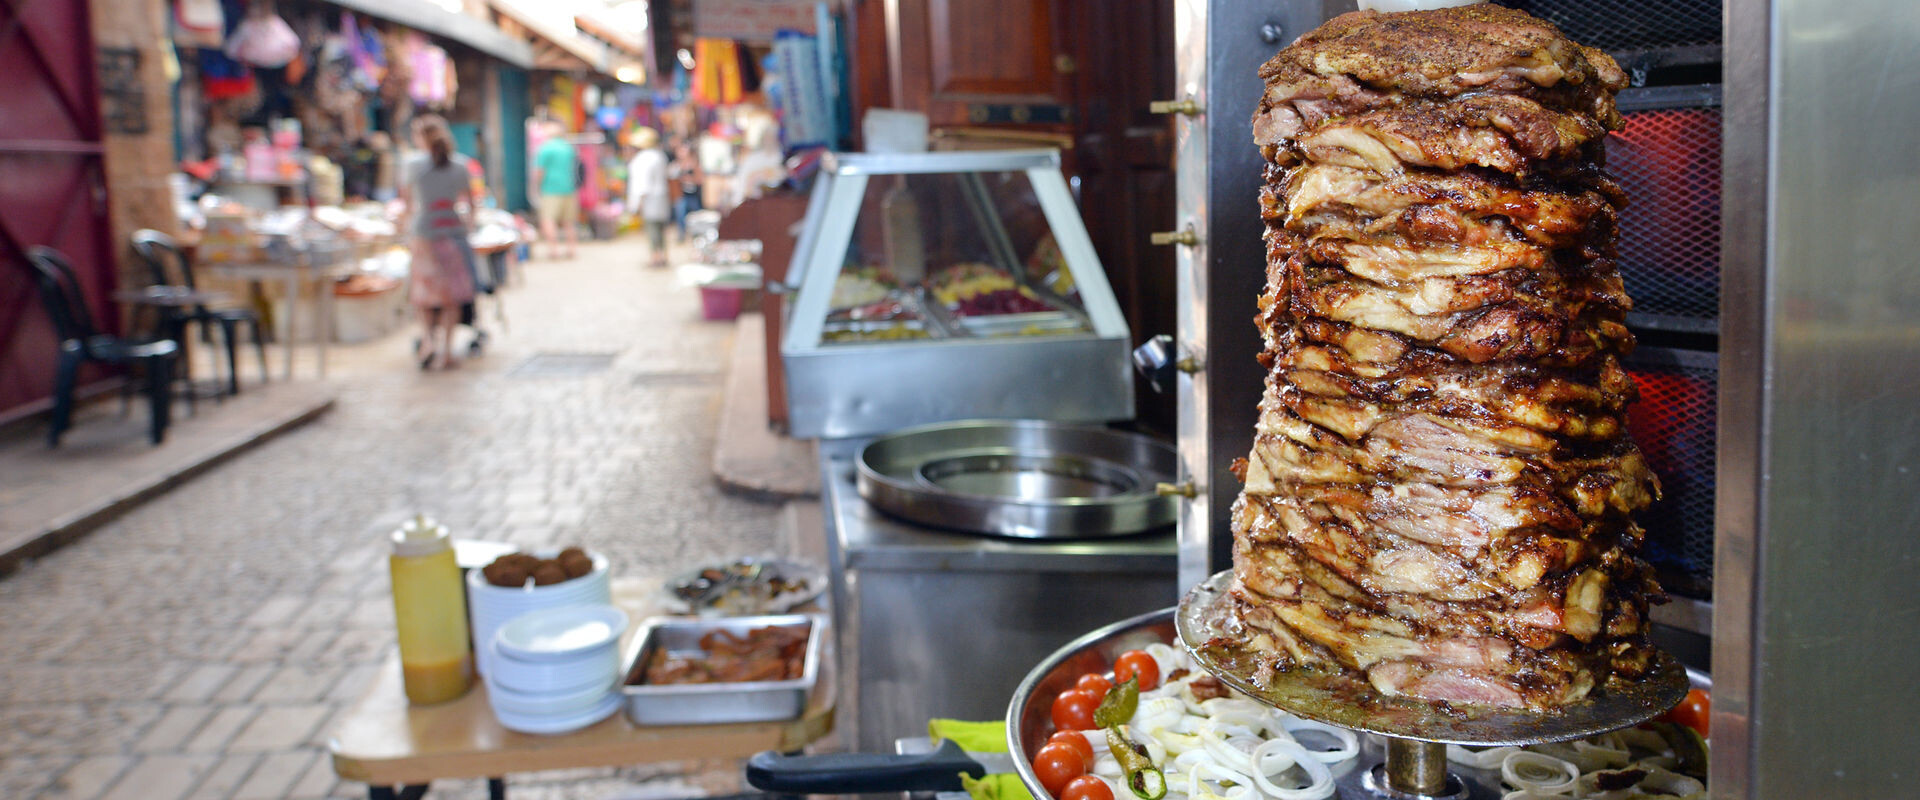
x: 1030, y: 719
x: 1021, y: 478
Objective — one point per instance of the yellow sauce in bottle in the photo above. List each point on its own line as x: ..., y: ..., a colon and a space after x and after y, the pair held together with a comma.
x: 429, y: 609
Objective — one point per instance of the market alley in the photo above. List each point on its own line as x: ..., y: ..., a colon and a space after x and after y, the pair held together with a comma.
x: 205, y: 644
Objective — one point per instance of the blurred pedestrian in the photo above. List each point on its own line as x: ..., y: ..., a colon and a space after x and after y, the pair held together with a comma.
x: 433, y: 195
x: 685, y: 174
x: 647, y: 192
x: 556, y: 169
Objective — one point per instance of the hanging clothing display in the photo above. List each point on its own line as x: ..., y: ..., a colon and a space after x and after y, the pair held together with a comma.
x: 428, y: 85
x: 806, y: 115
x: 717, y: 73
x: 367, y: 58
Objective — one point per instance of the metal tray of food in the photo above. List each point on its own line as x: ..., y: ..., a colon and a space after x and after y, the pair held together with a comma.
x: 1021, y: 478
x: 724, y: 701
x: 1030, y: 722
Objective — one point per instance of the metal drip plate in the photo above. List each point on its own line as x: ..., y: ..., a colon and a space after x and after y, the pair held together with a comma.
x: 1020, y: 478
x: 1205, y: 618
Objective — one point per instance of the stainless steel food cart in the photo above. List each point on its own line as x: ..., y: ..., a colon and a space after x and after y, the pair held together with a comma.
x: 937, y: 622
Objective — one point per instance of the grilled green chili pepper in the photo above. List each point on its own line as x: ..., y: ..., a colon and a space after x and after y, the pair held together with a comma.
x: 1145, y: 779
x: 1118, y: 705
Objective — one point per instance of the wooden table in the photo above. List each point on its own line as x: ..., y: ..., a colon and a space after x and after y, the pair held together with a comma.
x: 295, y: 273
x: 398, y: 749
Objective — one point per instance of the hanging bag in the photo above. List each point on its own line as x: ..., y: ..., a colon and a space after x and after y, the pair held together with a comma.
x: 263, y: 40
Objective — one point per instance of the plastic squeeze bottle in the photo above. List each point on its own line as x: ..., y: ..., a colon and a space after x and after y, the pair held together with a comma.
x: 429, y: 606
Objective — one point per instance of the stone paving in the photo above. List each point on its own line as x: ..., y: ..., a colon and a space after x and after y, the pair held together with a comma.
x: 203, y: 645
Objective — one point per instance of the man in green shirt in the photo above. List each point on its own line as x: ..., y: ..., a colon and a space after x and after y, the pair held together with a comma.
x: 555, y: 166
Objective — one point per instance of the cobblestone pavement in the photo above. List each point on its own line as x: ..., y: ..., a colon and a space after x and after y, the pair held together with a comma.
x: 203, y: 645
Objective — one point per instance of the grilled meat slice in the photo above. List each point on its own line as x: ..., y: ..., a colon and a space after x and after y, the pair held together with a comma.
x: 1509, y: 134
x: 1422, y: 207
x: 1366, y: 60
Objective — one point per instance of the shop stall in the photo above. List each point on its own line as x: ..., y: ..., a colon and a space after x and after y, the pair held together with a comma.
x: 1769, y: 408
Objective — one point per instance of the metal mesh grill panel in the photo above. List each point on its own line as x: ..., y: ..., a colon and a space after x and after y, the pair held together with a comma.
x: 1674, y: 425
x: 1668, y: 161
x: 1624, y: 25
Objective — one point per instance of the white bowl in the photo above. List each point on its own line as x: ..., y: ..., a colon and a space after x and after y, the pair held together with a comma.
x: 542, y: 724
x: 549, y: 704
x: 600, y: 667
x: 491, y: 606
x: 560, y: 634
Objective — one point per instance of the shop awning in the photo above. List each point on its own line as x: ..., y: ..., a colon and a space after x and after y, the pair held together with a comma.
x: 430, y: 18
x: 561, y: 43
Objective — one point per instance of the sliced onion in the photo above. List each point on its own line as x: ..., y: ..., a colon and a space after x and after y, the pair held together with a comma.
x: 1641, y: 739
x: 1197, y: 778
x: 1279, y: 755
x: 1349, y: 742
x: 1529, y: 794
x: 1175, y: 742
x: 1158, y: 712
x: 1225, y: 711
x: 1538, y: 773
x: 1489, y: 758
x: 1169, y: 659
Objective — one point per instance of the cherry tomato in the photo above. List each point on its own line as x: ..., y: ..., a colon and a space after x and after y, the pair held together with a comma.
x: 1693, y: 712
x: 1087, y: 787
x: 1095, y: 683
x: 1057, y: 764
x: 1073, y: 710
x: 1077, y: 741
x: 1137, y: 663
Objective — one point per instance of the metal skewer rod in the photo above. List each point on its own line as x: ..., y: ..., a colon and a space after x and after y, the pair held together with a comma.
x: 1416, y: 767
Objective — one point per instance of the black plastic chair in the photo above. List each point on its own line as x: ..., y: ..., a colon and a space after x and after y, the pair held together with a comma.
x: 81, y: 342
x: 167, y: 262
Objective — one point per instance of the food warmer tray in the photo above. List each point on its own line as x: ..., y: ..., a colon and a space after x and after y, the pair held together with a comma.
x: 1021, y: 478
x: 717, y: 703
x: 1029, y: 719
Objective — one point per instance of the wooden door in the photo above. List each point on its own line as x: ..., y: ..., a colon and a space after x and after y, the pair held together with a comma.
x: 982, y: 62
x: 52, y: 185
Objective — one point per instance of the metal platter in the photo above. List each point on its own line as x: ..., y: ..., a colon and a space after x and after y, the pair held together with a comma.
x: 1020, y: 478
x: 1030, y: 722
x: 1348, y: 702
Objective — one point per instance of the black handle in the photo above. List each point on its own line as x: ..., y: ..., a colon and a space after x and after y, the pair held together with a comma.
x: 1154, y: 360
x: 862, y: 773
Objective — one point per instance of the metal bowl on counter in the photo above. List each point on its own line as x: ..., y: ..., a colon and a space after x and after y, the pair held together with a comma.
x: 1020, y: 478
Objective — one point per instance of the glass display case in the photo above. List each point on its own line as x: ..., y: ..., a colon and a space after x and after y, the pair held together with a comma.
x: 937, y: 286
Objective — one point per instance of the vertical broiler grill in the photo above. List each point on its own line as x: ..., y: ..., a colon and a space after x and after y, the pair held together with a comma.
x: 1768, y: 250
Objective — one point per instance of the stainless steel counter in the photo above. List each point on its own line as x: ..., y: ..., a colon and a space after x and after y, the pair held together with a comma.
x: 940, y: 624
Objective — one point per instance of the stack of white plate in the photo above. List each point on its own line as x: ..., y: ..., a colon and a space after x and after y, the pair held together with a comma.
x: 490, y: 606
x: 556, y: 670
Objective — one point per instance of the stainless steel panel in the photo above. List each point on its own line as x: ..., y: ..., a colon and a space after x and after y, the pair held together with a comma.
x: 942, y: 624
x: 1820, y: 448
x: 861, y: 390
x: 1219, y: 48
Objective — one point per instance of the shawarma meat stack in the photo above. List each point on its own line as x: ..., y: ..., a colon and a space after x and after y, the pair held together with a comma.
x: 1439, y: 490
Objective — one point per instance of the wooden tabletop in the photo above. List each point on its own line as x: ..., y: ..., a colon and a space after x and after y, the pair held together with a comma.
x: 385, y: 741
